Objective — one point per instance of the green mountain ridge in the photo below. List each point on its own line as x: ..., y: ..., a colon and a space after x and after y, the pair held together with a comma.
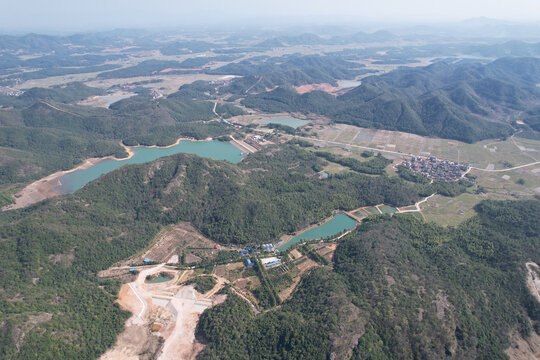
x: 399, y: 289
x: 444, y: 100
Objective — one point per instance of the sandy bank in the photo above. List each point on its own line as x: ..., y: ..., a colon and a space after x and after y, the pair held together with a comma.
x: 44, y: 188
x: 171, y: 309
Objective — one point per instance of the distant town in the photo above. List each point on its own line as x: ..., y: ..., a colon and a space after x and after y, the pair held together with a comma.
x: 7, y: 91
x: 436, y: 169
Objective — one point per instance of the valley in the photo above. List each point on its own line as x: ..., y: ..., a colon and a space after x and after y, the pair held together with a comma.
x: 320, y: 193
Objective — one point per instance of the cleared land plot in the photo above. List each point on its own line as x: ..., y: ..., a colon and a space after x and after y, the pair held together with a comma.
x: 515, y: 150
x: 327, y: 252
x: 247, y: 283
x: 235, y: 266
x: 295, y: 254
x: 170, y: 83
x: 364, y: 135
x: 170, y: 309
x: 408, y: 208
x: 333, y: 168
x: 514, y: 184
x: 106, y: 100
x: 371, y: 210
x: 171, y: 241
x: 387, y: 209
x: 360, y: 214
x: 450, y: 211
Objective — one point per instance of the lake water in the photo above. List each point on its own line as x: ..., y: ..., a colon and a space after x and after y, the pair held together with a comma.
x: 216, y: 150
x: 159, y: 279
x: 349, y: 83
x: 340, y: 222
x: 284, y: 120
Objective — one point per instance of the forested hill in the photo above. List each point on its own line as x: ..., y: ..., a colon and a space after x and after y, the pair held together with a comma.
x: 52, y: 250
x: 290, y: 70
x: 465, y: 102
x: 400, y: 289
x: 468, y: 291
x: 46, y: 132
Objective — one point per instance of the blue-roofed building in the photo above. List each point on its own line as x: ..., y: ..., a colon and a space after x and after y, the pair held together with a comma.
x: 243, y: 252
x: 249, y: 263
x: 273, y: 263
x: 147, y: 260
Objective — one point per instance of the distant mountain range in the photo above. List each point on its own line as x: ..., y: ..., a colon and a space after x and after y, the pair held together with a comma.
x: 456, y: 101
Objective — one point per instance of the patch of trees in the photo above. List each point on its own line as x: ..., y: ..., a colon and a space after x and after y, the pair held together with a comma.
x: 303, y: 328
x: 450, y: 189
x: 228, y: 110
x: 285, y: 128
x: 202, y: 284
x: 266, y: 292
x: 61, y: 71
x: 412, y: 176
x: 374, y: 166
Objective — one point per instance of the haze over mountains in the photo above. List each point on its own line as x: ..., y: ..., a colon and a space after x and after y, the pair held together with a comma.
x: 424, y: 137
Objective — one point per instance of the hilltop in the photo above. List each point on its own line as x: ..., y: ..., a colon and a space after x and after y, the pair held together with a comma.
x: 464, y: 102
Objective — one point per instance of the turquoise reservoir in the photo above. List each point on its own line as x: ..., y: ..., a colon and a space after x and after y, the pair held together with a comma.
x: 285, y: 120
x: 349, y: 83
x: 216, y: 150
x: 340, y: 222
x: 159, y: 279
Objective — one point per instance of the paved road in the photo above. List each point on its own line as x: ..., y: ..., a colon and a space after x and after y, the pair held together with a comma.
x: 509, y: 169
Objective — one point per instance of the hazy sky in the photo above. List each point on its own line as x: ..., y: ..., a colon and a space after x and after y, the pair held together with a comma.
x: 22, y: 15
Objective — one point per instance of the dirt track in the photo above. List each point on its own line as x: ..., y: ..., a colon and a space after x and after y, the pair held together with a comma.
x: 171, y: 308
x: 533, y: 284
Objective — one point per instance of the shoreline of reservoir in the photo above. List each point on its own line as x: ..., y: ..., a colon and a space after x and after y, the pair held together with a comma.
x: 289, y: 240
x: 44, y: 188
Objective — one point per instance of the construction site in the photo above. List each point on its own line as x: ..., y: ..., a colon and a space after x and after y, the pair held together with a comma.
x: 160, y: 285
x: 165, y: 305
x: 164, y: 315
